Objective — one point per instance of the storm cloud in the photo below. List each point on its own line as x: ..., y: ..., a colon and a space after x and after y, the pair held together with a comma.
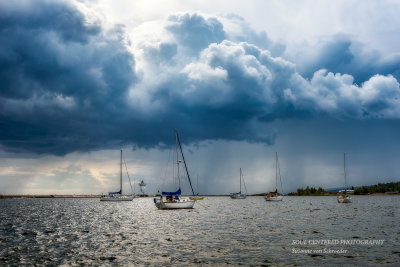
x: 68, y: 83
x: 63, y: 81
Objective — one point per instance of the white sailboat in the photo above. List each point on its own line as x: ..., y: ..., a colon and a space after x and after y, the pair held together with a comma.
x: 239, y: 195
x: 174, y: 200
x: 343, y: 197
x: 117, y: 196
x: 275, y: 196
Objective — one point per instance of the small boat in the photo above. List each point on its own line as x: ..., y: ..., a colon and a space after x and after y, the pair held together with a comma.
x: 117, y: 196
x: 239, y: 195
x: 275, y: 196
x: 174, y: 200
x: 343, y: 197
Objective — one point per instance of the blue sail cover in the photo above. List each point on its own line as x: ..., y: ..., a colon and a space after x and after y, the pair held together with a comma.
x: 114, y: 193
x: 172, y: 193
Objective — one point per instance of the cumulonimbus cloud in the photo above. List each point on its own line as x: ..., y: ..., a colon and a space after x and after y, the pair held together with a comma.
x: 76, y: 86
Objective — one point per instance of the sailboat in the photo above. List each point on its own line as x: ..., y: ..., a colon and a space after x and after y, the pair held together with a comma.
x: 343, y: 197
x: 174, y: 200
x: 117, y: 196
x: 239, y: 195
x: 275, y: 196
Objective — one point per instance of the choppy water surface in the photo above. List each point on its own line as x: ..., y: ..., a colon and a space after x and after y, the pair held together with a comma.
x: 219, y: 231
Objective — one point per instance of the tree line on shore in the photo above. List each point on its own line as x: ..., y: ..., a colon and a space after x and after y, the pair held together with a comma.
x: 310, y: 191
x: 392, y: 187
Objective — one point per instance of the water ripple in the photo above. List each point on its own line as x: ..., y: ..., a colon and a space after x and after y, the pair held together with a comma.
x: 219, y: 231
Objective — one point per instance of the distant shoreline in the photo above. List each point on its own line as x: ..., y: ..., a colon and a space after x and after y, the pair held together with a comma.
x: 253, y: 195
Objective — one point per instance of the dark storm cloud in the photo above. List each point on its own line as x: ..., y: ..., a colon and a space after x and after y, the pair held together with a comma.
x: 43, y: 17
x: 63, y: 81
x: 70, y: 85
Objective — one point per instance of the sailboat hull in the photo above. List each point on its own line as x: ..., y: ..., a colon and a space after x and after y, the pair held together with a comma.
x: 238, y: 196
x: 178, y: 202
x: 273, y: 198
x: 122, y: 198
x: 344, y: 199
x: 175, y: 205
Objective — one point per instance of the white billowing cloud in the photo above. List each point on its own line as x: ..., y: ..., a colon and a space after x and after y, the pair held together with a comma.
x: 204, y: 73
x: 336, y: 94
x: 230, y: 70
x: 381, y: 96
x: 233, y: 68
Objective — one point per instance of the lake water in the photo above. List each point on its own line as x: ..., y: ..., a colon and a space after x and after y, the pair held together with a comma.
x: 219, y: 231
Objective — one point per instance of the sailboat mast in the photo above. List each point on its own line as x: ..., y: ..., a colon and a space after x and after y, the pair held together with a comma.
x: 276, y: 171
x: 120, y: 175
x: 344, y: 168
x: 240, y: 181
x: 177, y: 159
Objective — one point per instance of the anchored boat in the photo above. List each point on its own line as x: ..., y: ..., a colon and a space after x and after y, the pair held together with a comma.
x: 275, y: 196
x: 239, y: 195
x: 343, y: 197
x: 174, y: 200
x: 118, y: 196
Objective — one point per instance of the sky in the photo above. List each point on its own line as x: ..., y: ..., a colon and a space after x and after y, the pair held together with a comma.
x: 240, y: 81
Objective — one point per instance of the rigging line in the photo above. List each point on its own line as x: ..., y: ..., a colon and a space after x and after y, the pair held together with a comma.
x: 166, y: 169
x: 282, y: 182
x: 126, y: 167
x: 244, y: 184
x: 184, y: 162
x: 280, y: 178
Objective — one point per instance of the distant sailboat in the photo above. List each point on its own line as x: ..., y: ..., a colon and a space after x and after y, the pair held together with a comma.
x: 174, y: 200
x: 239, y: 195
x: 343, y: 197
x: 275, y: 196
x: 117, y: 196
